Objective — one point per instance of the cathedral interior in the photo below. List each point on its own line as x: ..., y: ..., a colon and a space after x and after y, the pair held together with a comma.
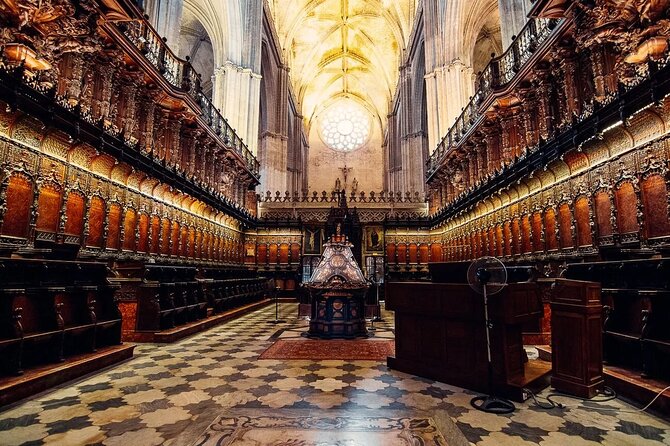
x: 335, y: 222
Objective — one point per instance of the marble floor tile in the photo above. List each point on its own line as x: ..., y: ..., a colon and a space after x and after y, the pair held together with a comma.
x: 170, y: 394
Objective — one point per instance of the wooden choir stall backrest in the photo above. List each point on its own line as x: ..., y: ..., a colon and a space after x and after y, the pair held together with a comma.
x: 113, y: 226
x: 626, y: 208
x: 272, y: 257
x: 655, y: 205
x: 565, y: 226
x: 48, y: 207
x: 74, y: 213
x: 129, y: 223
x: 283, y: 253
x: 143, y: 242
x: 436, y: 252
x: 603, y: 211
x: 583, y: 222
x: 550, y: 229
x: 96, y: 222
x: 19, y: 195
x: 390, y: 253
x: 295, y: 252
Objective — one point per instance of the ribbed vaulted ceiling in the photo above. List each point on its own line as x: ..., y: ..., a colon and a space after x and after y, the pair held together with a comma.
x: 343, y: 48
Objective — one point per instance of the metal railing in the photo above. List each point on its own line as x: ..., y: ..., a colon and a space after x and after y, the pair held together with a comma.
x: 498, y: 73
x: 181, y: 75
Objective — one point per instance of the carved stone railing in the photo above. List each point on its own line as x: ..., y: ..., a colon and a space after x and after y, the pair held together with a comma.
x: 332, y: 197
x: 499, y: 73
x: 182, y: 76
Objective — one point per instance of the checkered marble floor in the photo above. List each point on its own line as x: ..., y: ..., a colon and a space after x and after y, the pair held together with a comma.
x: 169, y: 394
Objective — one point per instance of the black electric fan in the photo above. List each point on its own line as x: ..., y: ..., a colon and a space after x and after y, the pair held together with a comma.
x: 488, y: 276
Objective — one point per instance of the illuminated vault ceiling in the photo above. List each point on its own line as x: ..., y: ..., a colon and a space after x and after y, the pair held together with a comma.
x: 343, y: 49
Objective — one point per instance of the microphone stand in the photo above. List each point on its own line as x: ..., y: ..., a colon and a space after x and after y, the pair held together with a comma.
x: 276, y: 293
x: 378, y: 317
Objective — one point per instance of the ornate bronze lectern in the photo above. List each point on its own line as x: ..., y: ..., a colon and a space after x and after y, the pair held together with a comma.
x: 337, y: 292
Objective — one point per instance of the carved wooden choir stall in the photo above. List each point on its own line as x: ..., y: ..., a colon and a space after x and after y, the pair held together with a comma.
x: 55, y: 312
x: 163, y: 303
x: 636, y: 323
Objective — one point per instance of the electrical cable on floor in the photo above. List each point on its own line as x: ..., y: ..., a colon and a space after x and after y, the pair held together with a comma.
x: 608, y: 392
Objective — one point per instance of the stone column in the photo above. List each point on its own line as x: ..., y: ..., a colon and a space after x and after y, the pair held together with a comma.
x: 236, y: 94
x: 165, y: 16
x: 513, y: 17
x: 448, y: 90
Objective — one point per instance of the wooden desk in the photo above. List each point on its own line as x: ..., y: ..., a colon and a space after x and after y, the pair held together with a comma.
x: 440, y: 334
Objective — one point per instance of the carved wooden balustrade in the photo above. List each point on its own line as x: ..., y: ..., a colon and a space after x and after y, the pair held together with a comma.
x: 569, y: 158
x: 181, y: 75
x: 497, y: 75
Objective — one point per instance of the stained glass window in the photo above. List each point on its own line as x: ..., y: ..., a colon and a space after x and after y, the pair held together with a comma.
x: 345, y: 127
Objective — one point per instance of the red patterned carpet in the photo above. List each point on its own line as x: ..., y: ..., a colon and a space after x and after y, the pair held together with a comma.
x: 313, y: 349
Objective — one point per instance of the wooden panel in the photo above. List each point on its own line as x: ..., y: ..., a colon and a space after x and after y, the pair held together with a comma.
x: 565, y: 226
x: 129, y: 224
x: 143, y: 242
x: 443, y: 323
x: 262, y: 250
x: 390, y: 253
x: 155, y: 234
x: 206, y: 241
x: 626, y: 209
x: 516, y: 237
x: 165, y: 236
x: 273, y: 253
x: 655, y: 200
x: 183, y: 242
x: 550, y: 229
x: 174, y: 238
x: 96, y: 221
x: 191, y: 242
x: 114, y: 226
x: 198, y: 245
x: 48, y: 208
x: 74, y: 212
x: 499, y: 241
x: 436, y: 252
x: 283, y: 253
x: 576, y: 337
x: 507, y: 239
x: 19, y: 196
x: 413, y: 253
x: 583, y: 222
x: 491, y: 241
x: 402, y: 253
x: 295, y: 252
x: 423, y: 253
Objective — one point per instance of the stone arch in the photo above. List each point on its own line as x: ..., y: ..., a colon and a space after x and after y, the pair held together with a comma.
x: 223, y: 22
x: 196, y: 45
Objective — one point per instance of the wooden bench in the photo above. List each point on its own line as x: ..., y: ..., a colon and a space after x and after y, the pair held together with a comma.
x: 50, y: 310
x: 636, y: 307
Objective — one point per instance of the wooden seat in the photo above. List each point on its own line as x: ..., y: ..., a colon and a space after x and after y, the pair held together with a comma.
x: 50, y: 310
